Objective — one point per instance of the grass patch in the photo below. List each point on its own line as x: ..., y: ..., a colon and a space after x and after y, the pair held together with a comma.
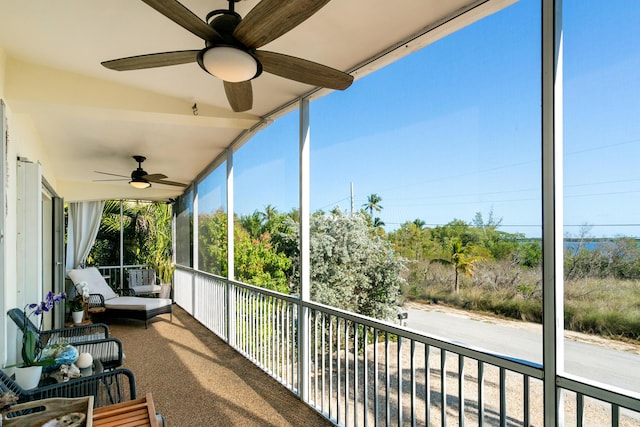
x: 605, y: 307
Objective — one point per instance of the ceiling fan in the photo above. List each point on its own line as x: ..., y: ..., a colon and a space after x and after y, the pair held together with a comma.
x: 231, y: 47
x: 140, y: 178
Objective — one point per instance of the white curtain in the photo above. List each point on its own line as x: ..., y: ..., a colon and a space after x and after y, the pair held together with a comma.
x: 83, y: 225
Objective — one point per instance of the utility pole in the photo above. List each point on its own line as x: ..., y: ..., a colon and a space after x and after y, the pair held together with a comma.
x: 352, y: 200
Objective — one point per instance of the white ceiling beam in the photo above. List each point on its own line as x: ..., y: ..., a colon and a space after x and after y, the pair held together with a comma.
x: 32, y: 85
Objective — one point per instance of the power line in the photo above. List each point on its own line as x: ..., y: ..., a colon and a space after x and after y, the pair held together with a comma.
x: 526, y: 225
x: 518, y: 164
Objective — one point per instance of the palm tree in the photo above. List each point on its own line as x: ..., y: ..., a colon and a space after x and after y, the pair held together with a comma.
x: 110, y: 222
x: 373, y: 204
x: 377, y: 222
x: 419, y: 223
x: 159, y: 230
x: 159, y: 248
x: 253, y: 223
x: 269, y: 213
x: 106, y: 249
x: 462, y: 259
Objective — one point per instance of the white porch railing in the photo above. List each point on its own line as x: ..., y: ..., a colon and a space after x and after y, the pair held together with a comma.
x: 116, y: 275
x: 364, y: 372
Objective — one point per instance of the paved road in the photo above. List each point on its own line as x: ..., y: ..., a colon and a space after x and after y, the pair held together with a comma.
x: 596, y: 362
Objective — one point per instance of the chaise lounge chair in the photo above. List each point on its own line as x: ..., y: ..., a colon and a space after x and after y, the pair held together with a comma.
x: 130, y: 307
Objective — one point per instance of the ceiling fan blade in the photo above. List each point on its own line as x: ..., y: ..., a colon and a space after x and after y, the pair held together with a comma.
x: 152, y: 60
x: 112, y: 174
x: 154, y: 176
x: 110, y: 180
x: 160, y: 181
x: 184, y: 17
x: 239, y: 95
x: 303, y: 71
x: 270, y: 19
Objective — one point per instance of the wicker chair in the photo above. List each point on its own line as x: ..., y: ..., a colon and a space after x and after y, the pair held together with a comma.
x: 93, y: 339
x: 107, y: 388
x: 143, y: 282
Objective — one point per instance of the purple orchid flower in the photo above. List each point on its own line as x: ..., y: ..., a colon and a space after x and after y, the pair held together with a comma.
x: 46, y: 305
x: 31, y: 346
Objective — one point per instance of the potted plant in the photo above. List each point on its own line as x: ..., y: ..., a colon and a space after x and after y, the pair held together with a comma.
x: 76, y: 307
x: 164, y: 271
x: 28, y: 373
x: 76, y: 304
x: 160, y: 253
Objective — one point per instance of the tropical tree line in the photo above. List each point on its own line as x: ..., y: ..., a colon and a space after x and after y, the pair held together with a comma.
x: 146, y: 235
x: 358, y: 266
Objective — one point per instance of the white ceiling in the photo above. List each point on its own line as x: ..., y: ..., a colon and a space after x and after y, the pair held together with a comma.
x: 94, y: 119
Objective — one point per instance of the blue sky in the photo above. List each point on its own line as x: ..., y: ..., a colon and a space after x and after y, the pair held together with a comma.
x: 454, y: 129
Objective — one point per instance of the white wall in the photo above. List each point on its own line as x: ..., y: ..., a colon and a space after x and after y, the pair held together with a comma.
x: 23, y: 140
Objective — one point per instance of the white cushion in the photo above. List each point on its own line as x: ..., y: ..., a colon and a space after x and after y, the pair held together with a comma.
x: 95, y: 281
x: 136, y: 303
x: 144, y: 289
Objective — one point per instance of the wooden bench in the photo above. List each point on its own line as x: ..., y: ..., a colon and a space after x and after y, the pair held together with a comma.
x: 134, y: 413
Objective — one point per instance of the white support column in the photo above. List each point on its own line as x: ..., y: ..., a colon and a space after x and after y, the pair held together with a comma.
x: 196, y: 239
x: 231, y: 305
x: 4, y: 289
x: 230, y: 213
x: 121, y: 273
x: 552, y: 210
x: 174, y: 234
x: 305, y: 274
x: 196, y: 305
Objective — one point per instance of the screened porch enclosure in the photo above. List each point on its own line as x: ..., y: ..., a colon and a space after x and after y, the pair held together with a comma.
x: 516, y: 116
x: 358, y: 371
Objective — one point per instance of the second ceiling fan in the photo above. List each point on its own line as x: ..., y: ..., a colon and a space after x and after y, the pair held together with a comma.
x: 231, y: 47
x: 140, y: 178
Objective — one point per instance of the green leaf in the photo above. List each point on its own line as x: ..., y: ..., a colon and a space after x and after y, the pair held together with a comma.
x: 45, y: 362
x: 30, y: 351
x: 29, y: 344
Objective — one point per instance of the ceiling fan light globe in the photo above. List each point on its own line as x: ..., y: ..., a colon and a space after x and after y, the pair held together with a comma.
x: 139, y: 183
x: 230, y: 64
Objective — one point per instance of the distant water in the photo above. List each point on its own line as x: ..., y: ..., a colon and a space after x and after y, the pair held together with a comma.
x: 590, y: 245
x: 587, y: 245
